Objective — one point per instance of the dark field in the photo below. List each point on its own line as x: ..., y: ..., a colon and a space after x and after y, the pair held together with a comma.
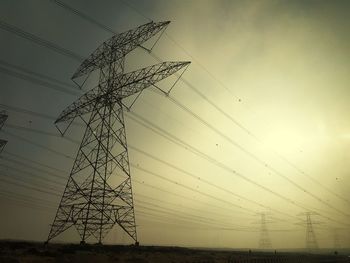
x: 15, y: 252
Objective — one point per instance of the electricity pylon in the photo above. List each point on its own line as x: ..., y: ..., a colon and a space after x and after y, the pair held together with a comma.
x: 3, y: 118
x: 336, y: 239
x: 310, y: 240
x: 264, y: 241
x: 98, y: 193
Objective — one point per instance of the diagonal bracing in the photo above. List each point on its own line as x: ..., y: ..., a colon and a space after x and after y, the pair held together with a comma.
x: 3, y: 118
x: 98, y: 193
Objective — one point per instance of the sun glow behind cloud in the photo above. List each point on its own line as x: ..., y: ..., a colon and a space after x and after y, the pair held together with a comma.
x: 286, y: 62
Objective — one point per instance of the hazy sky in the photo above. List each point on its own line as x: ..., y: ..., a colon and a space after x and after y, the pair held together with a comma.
x: 265, y: 127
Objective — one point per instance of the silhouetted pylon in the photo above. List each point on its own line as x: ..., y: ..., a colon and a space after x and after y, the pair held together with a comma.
x: 336, y: 239
x: 310, y: 240
x: 3, y: 118
x: 264, y: 241
x: 98, y: 193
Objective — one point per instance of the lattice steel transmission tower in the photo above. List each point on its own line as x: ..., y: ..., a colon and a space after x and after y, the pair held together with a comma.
x: 310, y: 240
x: 264, y: 241
x: 98, y: 193
x: 3, y: 118
x: 336, y: 239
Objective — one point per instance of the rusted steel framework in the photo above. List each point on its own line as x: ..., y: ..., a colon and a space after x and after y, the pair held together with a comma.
x: 98, y: 193
x: 3, y: 118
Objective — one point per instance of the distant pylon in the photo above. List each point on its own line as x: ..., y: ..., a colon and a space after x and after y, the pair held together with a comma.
x: 336, y: 239
x: 264, y: 241
x: 310, y: 240
x: 98, y: 193
x: 3, y: 118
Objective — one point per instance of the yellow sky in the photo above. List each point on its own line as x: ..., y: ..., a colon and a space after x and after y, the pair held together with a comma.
x: 279, y: 69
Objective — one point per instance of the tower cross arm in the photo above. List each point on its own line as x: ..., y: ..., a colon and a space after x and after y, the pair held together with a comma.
x: 118, y: 46
x: 136, y: 81
x: 80, y: 107
x: 3, y: 118
x: 121, y: 86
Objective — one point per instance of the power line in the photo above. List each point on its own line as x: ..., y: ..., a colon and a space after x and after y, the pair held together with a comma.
x: 38, y: 81
x: 194, y: 150
x: 234, y: 120
x: 40, y: 41
x: 203, y: 180
x: 44, y: 208
x: 172, y: 211
x: 183, y: 206
x: 222, y: 135
x: 52, y: 134
x: 25, y: 111
x: 283, y: 158
x: 36, y: 176
x: 278, y: 230
x: 141, y: 183
x: 188, y: 147
x: 33, y: 168
x: 181, y: 170
x: 75, y: 11
x: 201, y: 65
x: 177, y: 213
x: 158, y: 130
x: 147, y: 154
x: 33, y: 161
x: 185, y: 197
x: 253, y: 156
x: 135, y: 166
x: 36, y: 74
x: 189, y: 188
x: 28, y: 187
x: 25, y: 203
x: 29, y: 160
x: 40, y: 145
x: 37, y: 144
x: 82, y: 15
x: 135, y: 9
x: 27, y: 197
x: 26, y: 181
x: 162, y: 161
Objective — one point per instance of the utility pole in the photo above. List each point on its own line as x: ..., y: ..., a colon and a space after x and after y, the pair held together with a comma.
x: 3, y: 118
x: 98, y: 193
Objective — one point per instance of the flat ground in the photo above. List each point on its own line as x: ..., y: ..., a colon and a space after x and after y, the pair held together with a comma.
x: 16, y: 252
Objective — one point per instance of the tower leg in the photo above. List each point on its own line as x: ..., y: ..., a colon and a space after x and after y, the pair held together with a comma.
x: 98, y: 193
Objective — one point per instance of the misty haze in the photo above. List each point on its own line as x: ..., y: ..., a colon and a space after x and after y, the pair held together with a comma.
x: 199, y: 131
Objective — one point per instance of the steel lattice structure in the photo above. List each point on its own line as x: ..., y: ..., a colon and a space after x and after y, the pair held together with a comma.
x: 264, y: 241
x: 118, y: 46
x: 311, y: 241
x: 3, y: 118
x: 98, y: 193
